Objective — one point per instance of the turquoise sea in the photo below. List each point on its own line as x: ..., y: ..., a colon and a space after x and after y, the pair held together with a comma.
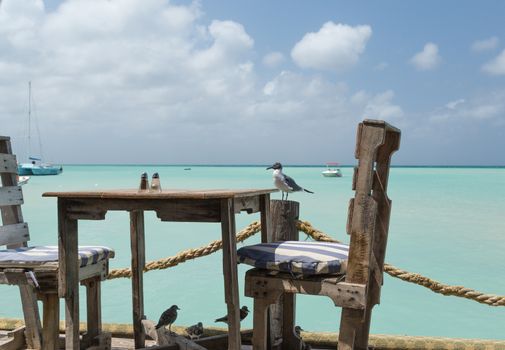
x: 447, y: 223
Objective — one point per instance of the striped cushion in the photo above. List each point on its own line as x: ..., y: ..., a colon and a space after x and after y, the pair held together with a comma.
x: 88, y: 255
x: 305, y: 258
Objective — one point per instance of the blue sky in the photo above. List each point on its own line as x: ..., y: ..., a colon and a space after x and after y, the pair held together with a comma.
x: 234, y: 82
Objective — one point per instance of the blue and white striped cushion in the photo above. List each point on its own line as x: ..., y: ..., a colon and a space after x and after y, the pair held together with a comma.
x: 88, y: 255
x: 306, y: 258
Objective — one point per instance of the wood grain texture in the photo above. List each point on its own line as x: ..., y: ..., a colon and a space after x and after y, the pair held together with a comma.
x: 228, y: 232
x: 15, y: 233
x: 137, y: 239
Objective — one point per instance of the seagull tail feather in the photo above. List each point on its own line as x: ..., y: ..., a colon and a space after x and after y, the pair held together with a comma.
x: 307, y: 191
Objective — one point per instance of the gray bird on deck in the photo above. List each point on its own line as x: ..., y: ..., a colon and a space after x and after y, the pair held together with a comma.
x: 195, y: 331
x: 168, y: 317
x: 283, y: 182
x: 244, y: 311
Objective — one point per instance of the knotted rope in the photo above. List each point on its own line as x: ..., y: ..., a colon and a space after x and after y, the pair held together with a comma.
x: 188, y: 254
x: 435, y: 286
x: 307, y: 228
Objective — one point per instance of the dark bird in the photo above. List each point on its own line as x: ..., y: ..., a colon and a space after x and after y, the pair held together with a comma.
x: 168, y: 317
x: 244, y: 311
x: 298, y: 331
x: 285, y: 183
x: 195, y: 331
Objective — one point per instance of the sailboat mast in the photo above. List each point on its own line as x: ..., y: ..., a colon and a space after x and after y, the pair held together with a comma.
x: 29, y: 117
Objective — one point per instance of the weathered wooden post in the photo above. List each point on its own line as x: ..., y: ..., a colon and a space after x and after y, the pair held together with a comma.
x: 284, y: 216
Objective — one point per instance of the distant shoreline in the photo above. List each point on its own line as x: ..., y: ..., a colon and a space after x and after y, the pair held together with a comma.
x: 294, y: 166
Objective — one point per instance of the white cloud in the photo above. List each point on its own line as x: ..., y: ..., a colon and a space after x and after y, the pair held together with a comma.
x: 151, y: 82
x: 379, y: 106
x: 485, y: 44
x: 428, y: 58
x: 273, y: 59
x: 334, y: 47
x: 489, y: 107
x: 455, y: 104
x: 496, y: 66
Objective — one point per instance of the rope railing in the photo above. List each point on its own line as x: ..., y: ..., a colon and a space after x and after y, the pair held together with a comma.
x: 307, y: 228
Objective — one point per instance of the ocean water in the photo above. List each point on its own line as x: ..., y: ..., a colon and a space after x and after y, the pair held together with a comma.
x: 446, y: 223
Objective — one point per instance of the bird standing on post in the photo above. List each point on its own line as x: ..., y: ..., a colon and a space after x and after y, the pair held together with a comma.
x: 244, y: 311
x: 168, y: 317
x: 283, y: 182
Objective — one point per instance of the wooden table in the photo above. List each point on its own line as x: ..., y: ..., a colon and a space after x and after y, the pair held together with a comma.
x: 169, y: 205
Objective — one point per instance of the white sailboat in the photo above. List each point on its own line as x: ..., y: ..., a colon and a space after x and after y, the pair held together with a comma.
x: 36, y: 166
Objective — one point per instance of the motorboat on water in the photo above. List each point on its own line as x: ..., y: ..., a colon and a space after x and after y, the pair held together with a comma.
x: 332, y: 170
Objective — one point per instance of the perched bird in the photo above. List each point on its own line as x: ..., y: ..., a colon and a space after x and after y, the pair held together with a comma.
x: 283, y: 182
x: 298, y: 331
x: 195, y: 331
x: 168, y: 317
x: 244, y: 311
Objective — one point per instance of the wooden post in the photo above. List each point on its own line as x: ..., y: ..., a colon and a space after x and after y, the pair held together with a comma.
x: 284, y: 215
x: 51, y: 321
x: 138, y: 263
x: 94, y: 308
x: 68, y: 276
x: 230, y: 273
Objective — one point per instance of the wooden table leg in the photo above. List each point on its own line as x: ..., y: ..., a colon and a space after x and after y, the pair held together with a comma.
x: 230, y: 273
x: 138, y: 263
x: 68, y: 275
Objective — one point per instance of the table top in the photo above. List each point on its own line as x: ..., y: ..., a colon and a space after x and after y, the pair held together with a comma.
x: 165, y: 194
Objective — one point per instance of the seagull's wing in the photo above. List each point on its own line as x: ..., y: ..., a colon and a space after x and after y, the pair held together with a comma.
x: 291, y: 183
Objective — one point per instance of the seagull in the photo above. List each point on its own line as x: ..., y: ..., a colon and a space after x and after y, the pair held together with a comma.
x: 283, y: 182
x: 195, y: 331
x: 244, y: 311
x: 168, y: 317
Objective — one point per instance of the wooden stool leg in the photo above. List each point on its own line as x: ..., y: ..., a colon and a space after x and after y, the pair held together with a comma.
x: 351, y: 325
x: 32, y: 317
x: 259, y: 339
x: 51, y: 321
x: 290, y: 341
x: 94, y: 307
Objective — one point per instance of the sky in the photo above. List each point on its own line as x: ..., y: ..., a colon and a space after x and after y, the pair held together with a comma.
x: 252, y: 82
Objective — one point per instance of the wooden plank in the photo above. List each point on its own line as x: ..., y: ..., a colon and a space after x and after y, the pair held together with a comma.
x: 165, y: 194
x: 31, y: 315
x: 14, y: 233
x: 94, y: 310
x: 16, y: 340
x: 230, y: 272
x: 343, y: 294
x: 249, y: 204
x: 177, y: 210
x: 51, y: 321
x: 8, y: 164
x: 137, y: 241
x: 68, y: 276
x: 11, y: 195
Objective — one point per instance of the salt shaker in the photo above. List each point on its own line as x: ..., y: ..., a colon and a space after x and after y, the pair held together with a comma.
x: 155, y: 183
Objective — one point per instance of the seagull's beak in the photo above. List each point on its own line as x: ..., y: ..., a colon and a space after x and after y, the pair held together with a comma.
x: 269, y: 168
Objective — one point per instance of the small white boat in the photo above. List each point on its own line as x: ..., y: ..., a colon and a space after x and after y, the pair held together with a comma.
x: 332, y: 170
x: 22, y: 180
